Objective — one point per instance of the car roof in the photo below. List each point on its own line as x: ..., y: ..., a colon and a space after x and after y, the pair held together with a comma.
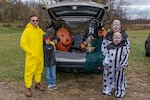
x: 74, y: 9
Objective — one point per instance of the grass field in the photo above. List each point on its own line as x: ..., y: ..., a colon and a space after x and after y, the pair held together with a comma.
x: 12, y: 57
x: 138, y: 63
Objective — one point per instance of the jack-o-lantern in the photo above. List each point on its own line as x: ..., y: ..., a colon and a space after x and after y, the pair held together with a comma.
x: 102, y: 32
x: 65, y: 39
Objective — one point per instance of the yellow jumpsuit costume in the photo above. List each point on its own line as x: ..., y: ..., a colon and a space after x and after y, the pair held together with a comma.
x: 32, y: 43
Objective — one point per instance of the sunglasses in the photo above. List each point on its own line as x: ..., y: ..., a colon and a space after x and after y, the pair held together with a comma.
x: 34, y: 20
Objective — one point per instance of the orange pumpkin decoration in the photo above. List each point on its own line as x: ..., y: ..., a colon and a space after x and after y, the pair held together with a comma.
x: 102, y: 32
x: 65, y: 39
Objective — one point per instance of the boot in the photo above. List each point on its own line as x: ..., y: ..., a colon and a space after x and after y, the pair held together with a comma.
x: 39, y: 87
x: 28, y: 92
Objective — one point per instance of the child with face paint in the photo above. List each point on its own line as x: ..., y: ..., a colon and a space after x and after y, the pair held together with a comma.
x: 116, y: 27
x: 110, y: 42
x: 116, y: 62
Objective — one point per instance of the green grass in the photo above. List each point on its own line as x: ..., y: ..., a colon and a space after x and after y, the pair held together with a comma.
x: 137, y: 59
x: 9, y: 30
x: 137, y: 39
x: 12, y: 57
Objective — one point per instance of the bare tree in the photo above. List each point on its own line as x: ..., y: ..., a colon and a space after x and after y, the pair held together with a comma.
x: 143, y: 14
x: 117, y: 8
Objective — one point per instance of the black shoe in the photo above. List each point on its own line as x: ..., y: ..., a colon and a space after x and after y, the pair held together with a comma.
x: 104, y: 94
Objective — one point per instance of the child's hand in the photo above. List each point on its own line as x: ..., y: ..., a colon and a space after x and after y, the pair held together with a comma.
x: 106, y: 61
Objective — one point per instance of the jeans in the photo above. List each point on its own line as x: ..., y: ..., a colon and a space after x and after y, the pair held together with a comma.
x: 51, y: 75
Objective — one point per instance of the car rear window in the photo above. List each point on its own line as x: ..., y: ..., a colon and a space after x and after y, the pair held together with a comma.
x: 76, y: 11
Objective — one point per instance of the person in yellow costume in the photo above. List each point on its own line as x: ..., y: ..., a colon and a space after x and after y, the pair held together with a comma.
x: 32, y: 43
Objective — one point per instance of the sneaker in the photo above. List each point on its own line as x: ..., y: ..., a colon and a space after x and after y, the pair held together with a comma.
x: 119, y: 95
x: 105, y: 94
x: 50, y: 87
x: 54, y: 86
x: 107, y: 91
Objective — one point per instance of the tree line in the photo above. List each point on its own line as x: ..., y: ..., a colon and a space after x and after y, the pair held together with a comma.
x: 19, y: 11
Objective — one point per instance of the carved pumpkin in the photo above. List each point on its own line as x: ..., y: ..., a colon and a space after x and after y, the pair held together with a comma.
x: 65, y: 39
x: 102, y: 32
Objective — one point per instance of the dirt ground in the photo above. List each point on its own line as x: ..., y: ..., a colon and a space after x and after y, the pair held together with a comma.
x: 83, y: 88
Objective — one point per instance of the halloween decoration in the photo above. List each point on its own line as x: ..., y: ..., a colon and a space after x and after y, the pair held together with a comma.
x: 77, y: 43
x: 90, y: 49
x: 93, y: 28
x: 82, y: 45
x: 94, y: 59
x: 65, y: 39
x: 102, y: 32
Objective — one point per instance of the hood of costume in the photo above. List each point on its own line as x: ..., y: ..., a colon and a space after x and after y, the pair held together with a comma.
x: 32, y: 40
x: 109, y: 35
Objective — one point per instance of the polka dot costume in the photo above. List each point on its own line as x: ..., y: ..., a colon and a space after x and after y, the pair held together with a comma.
x: 115, y: 61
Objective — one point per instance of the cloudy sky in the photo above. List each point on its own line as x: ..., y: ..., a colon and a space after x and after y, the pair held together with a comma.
x: 139, y: 8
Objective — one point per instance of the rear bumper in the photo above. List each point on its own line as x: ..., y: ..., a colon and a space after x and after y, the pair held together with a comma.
x: 70, y: 65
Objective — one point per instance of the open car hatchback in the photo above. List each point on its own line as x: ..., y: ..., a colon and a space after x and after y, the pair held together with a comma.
x: 73, y: 22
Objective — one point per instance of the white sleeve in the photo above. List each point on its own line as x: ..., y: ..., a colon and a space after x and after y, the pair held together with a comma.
x: 104, y: 45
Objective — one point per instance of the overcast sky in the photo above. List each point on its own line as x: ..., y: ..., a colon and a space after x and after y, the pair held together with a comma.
x: 139, y: 8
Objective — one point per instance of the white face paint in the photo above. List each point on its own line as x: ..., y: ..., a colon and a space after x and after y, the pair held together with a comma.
x: 116, y: 26
x: 117, y: 37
